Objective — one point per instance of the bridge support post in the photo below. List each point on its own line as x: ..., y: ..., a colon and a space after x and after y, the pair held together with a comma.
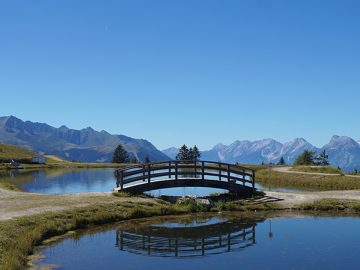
x: 176, y: 170
x: 195, y: 169
x: 219, y: 171
x: 253, y: 181
x: 244, y: 177
x: 202, y: 170
x: 228, y: 172
x: 121, y: 180
x: 169, y: 169
x: 253, y: 235
x: 228, y: 178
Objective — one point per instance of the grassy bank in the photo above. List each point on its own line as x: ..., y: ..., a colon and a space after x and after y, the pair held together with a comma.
x: 66, y: 165
x: 317, y: 169
x: 8, y: 152
x: 268, y: 177
x: 19, y: 236
x: 333, y: 205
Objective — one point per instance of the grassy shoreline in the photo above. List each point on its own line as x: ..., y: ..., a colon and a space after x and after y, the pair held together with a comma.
x: 65, y: 165
x: 19, y: 236
x: 317, y: 169
x: 306, y: 182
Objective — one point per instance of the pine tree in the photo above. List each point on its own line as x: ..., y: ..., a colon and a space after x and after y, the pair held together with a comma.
x: 306, y: 158
x: 195, y: 153
x: 147, y: 159
x: 120, y: 155
x: 281, y: 161
x: 184, y: 153
x: 322, y: 159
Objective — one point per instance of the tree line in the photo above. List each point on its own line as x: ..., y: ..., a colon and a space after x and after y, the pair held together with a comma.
x: 188, y: 154
x: 308, y: 158
x: 122, y: 156
x: 185, y: 154
x: 193, y: 154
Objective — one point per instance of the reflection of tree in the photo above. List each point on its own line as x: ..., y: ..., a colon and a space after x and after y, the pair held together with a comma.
x: 187, y: 241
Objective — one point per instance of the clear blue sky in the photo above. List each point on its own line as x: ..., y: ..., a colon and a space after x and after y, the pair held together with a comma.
x: 194, y: 72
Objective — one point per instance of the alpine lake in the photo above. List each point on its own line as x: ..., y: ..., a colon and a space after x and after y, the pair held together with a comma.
x: 198, y: 241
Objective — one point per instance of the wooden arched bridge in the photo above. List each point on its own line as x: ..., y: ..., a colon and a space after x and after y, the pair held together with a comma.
x: 174, y: 173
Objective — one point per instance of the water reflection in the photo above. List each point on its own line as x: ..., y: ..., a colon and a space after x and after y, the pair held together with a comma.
x: 187, y: 238
x: 211, y: 243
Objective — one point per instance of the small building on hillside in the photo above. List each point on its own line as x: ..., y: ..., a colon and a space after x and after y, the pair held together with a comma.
x: 38, y: 160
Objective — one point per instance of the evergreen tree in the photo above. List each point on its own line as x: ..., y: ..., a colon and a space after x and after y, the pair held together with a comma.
x: 281, y: 161
x: 120, y: 155
x: 184, y: 153
x: 134, y: 160
x: 306, y: 158
x: 147, y: 159
x: 195, y: 153
x: 322, y: 159
x: 188, y: 154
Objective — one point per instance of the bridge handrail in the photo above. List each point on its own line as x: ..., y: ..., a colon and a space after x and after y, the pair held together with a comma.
x: 148, y: 171
x: 185, y: 162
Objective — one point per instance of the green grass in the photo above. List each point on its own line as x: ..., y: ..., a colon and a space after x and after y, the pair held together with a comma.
x: 317, y: 169
x: 332, y: 205
x: 8, y: 186
x: 270, y: 178
x: 8, y: 152
x: 244, y: 206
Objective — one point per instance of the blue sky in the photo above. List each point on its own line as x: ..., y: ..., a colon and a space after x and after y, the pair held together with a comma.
x: 194, y: 72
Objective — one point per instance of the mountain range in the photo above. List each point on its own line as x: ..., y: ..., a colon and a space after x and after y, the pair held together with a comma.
x: 343, y: 152
x: 89, y: 145
x: 86, y: 145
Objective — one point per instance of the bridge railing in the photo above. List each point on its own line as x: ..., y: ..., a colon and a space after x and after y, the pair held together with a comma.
x: 184, y: 247
x: 175, y: 169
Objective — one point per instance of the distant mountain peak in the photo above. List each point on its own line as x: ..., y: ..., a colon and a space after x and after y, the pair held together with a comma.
x: 89, y: 129
x: 87, y: 145
x: 171, y: 152
x: 336, y: 140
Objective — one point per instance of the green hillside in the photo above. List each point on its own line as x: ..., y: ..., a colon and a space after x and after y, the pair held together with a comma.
x: 8, y: 152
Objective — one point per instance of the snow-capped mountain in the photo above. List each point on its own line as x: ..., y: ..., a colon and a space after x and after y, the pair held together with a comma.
x: 267, y: 150
x: 291, y: 150
x: 343, y: 152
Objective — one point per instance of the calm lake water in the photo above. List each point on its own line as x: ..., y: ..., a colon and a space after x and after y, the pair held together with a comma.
x: 218, y: 242
x: 60, y: 181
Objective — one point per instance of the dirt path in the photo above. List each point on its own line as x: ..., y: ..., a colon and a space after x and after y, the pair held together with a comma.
x: 289, y: 200
x: 16, y: 204
x: 289, y: 170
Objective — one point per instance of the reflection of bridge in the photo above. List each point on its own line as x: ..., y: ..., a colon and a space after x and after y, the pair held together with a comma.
x: 187, y: 241
x: 176, y: 173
